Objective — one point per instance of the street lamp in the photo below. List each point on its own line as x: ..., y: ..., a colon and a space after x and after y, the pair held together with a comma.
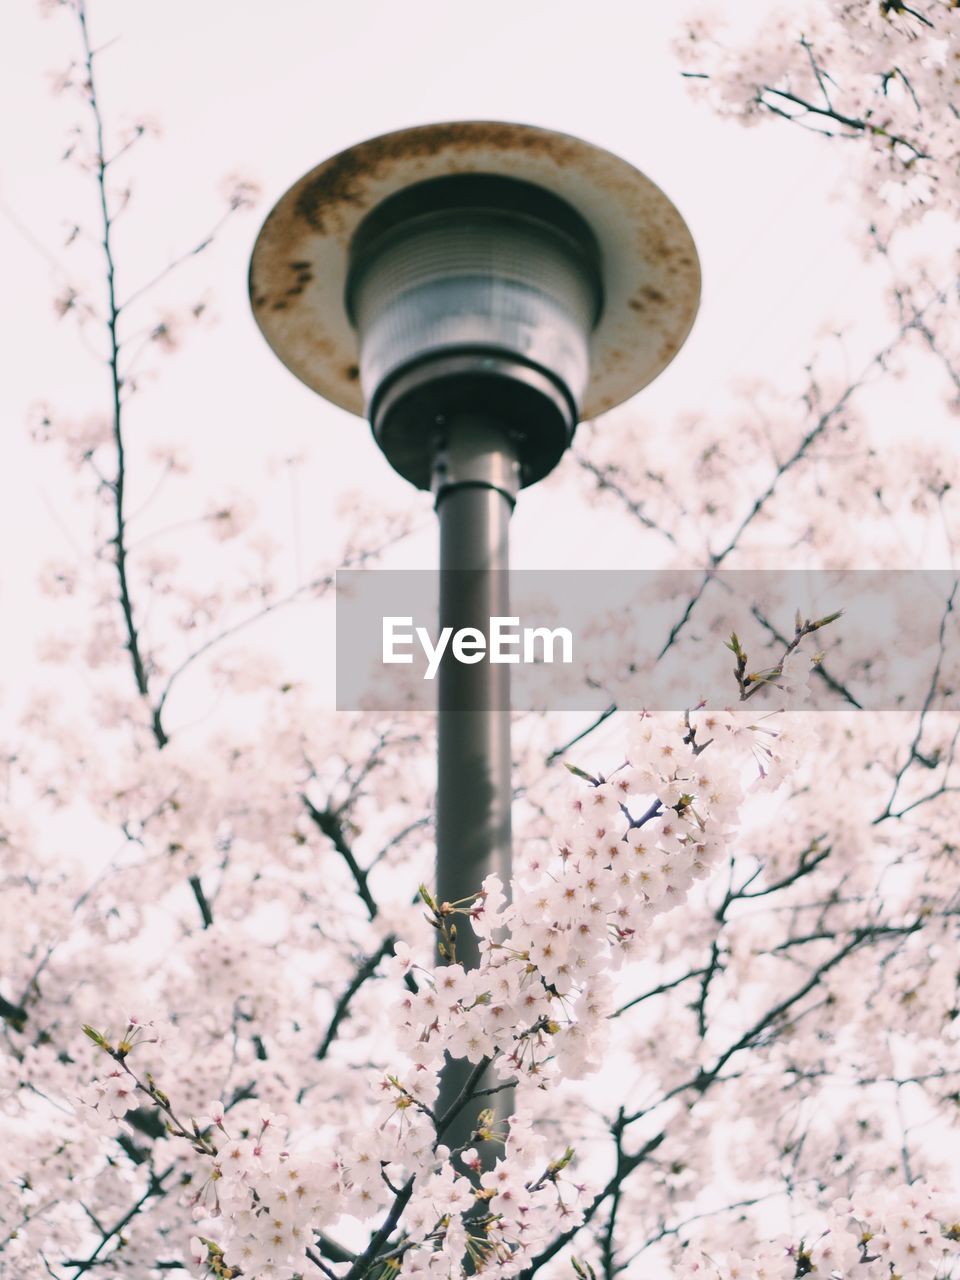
x: 474, y: 289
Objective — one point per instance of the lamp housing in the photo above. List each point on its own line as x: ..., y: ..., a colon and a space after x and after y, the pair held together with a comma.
x: 475, y: 266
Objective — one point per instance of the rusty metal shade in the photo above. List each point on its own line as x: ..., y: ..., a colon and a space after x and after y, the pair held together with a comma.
x: 650, y: 275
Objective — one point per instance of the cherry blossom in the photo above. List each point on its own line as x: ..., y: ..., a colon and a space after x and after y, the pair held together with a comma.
x: 713, y: 1029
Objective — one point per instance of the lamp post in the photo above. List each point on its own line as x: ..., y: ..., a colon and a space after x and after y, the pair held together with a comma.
x: 474, y: 289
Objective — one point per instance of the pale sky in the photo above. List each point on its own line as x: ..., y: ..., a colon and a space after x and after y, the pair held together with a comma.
x: 270, y: 90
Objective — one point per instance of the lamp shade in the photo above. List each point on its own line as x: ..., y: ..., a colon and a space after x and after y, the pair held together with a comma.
x: 477, y: 255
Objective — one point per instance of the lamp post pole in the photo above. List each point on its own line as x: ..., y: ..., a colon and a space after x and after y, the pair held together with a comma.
x: 474, y: 784
x: 475, y: 485
x: 473, y: 289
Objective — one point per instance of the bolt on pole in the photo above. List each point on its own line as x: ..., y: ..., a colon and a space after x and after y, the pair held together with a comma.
x: 474, y: 289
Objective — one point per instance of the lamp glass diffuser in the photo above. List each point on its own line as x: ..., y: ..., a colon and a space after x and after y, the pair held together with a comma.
x: 478, y: 286
x: 475, y: 263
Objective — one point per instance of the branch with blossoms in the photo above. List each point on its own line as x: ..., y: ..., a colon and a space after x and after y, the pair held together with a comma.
x: 312, y: 590
x: 815, y: 84
x: 520, y: 1008
x: 914, y: 754
x: 123, y: 351
x: 538, y: 1011
x: 749, y: 682
x: 699, y: 1085
x: 825, y: 418
x: 798, y: 110
x: 155, y: 1188
x: 822, y: 672
x: 810, y: 858
x: 769, y: 1023
x: 119, y: 379
x: 115, y: 1094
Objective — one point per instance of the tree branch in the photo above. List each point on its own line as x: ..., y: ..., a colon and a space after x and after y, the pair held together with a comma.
x: 206, y: 912
x: 329, y: 823
x: 342, y: 1009
x: 117, y: 486
x: 155, y: 1188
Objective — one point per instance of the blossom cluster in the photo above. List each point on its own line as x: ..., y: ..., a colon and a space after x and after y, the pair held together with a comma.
x: 883, y: 73
x: 908, y: 1230
x: 630, y: 849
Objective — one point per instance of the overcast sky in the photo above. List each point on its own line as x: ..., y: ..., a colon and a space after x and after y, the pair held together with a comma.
x: 269, y: 91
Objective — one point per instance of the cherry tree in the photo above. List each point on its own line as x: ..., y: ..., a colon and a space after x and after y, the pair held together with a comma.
x: 713, y: 1027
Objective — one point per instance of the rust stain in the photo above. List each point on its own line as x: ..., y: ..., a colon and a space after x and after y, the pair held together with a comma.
x: 654, y: 245
x: 648, y: 295
x: 346, y: 178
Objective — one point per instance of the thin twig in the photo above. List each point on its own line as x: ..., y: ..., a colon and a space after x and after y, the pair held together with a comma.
x: 154, y: 1188
x: 116, y: 383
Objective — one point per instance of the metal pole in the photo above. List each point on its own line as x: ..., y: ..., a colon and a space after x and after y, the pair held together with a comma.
x: 475, y: 481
